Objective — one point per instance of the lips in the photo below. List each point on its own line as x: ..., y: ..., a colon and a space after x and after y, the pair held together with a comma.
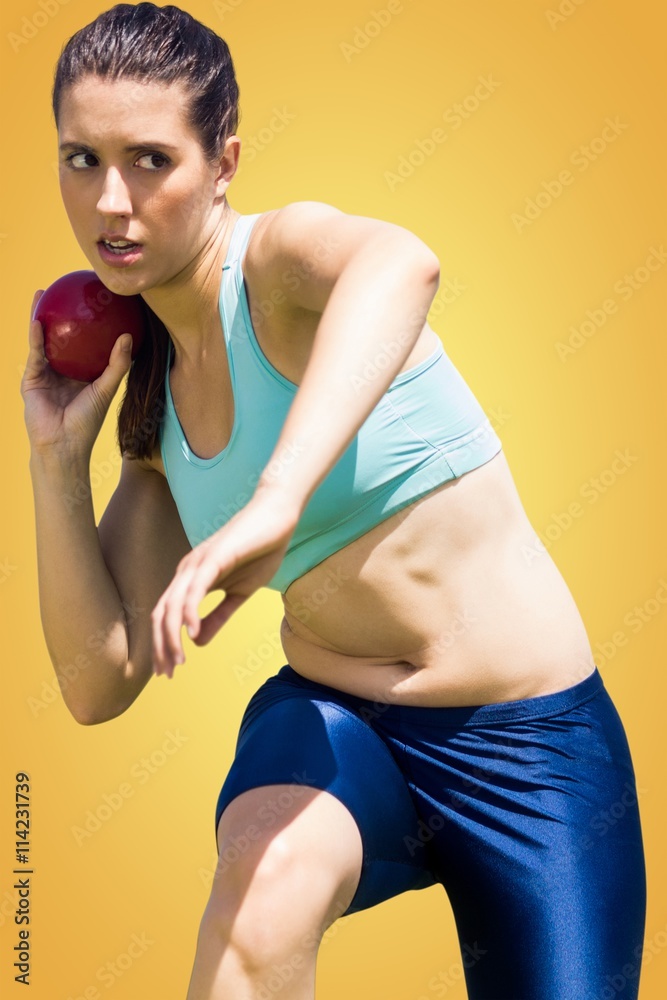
x: 119, y: 246
x: 116, y: 245
x: 129, y: 254
x: 116, y: 238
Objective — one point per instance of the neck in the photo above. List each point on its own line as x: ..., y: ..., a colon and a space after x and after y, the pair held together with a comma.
x: 188, y: 303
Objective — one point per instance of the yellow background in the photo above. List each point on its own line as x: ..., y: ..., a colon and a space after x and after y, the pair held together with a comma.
x: 357, y: 111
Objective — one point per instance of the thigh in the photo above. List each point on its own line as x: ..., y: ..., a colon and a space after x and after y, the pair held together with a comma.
x: 293, y: 737
x: 310, y: 853
x: 533, y: 828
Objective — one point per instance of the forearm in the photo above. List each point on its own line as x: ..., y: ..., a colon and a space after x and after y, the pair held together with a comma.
x: 81, y: 611
x: 371, y: 322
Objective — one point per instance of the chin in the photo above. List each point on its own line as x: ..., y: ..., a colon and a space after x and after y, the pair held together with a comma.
x: 117, y: 281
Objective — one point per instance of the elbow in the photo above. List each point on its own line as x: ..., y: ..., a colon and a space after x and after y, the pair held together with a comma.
x: 402, y: 247
x: 94, y: 717
x: 431, y: 268
x: 416, y: 255
x: 95, y: 714
x: 421, y: 264
x: 89, y: 718
x: 104, y: 698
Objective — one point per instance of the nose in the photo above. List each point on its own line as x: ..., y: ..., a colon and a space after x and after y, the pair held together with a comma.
x: 115, y: 196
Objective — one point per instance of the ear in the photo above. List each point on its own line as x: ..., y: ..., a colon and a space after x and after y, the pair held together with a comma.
x: 228, y: 164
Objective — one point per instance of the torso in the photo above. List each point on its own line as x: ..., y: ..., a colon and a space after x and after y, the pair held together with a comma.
x: 451, y: 601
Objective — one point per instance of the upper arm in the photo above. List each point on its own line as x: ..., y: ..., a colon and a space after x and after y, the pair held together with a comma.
x: 306, y: 245
x: 142, y: 541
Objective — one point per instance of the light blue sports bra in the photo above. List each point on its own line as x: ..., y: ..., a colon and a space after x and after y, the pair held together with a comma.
x: 426, y: 429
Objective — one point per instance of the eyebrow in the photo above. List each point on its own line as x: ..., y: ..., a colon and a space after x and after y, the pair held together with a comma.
x: 126, y: 149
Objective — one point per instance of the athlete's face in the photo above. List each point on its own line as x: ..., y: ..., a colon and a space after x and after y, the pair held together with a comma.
x: 161, y: 194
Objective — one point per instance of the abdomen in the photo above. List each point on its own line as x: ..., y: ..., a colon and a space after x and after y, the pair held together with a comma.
x: 441, y: 604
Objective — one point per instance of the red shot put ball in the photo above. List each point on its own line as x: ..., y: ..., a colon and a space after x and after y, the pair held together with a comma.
x: 82, y: 319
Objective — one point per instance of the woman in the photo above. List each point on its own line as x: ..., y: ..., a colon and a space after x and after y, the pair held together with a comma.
x: 293, y: 422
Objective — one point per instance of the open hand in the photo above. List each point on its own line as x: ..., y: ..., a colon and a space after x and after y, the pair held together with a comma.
x: 238, y: 559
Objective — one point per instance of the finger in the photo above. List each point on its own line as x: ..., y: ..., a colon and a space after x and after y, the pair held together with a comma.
x: 214, y: 621
x: 105, y: 386
x: 207, y: 573
x: 173, y: 619
x: 36, y: 354
x: 157, y: 615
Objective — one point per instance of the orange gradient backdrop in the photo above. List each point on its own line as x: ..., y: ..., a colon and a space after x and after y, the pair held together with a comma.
x: 524, y: 143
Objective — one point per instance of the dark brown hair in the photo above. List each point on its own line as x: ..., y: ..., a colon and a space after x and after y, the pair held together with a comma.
x: 146, y: 42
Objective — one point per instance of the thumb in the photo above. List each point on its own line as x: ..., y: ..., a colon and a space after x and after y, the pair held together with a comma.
x: 121, y: 356
x: 122, y: 349
x: 107, y: 383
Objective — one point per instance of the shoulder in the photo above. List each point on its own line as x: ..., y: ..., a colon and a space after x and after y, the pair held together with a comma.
x: 304, y: 228
x: 301, y: 249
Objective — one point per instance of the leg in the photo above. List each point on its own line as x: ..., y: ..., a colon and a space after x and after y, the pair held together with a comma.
x: 536, y: 836
x: 270, y: 905
x: 295, y: 856
x: 295, y: 730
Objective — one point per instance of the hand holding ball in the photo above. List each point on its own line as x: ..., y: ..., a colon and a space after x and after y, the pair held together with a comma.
x: 82, y: 319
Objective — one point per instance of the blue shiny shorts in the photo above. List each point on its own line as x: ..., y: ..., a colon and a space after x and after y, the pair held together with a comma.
x: 525, y: 811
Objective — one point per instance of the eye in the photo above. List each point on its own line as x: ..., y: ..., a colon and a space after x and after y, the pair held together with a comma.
x: 69, y: 160
x: 155, y: 156
x: 83, y: 161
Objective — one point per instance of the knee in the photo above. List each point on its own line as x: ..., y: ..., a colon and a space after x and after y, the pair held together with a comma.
x: 255, y: 901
